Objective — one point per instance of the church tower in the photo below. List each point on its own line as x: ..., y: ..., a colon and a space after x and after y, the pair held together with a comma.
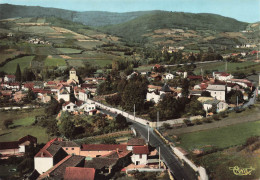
x: 73, y: 76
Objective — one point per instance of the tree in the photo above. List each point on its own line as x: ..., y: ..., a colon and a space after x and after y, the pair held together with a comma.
x: 185, y: 87
x: 7, y: 123
x: 121, y: 122
x: 235, y: 95
x: 54, y: 107
x: 18, y: 74
x: 66, y: 127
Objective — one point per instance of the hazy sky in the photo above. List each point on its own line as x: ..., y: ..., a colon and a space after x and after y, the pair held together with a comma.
x: 243, y: 10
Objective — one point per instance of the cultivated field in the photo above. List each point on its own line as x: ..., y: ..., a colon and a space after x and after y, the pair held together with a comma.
x: 10, y: 67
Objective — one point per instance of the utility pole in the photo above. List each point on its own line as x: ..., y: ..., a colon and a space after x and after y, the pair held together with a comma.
x: 158, y: 119
x: 237, y: 101
x: 134, y: 112
x: 159, y: 157
x: 148, y: 132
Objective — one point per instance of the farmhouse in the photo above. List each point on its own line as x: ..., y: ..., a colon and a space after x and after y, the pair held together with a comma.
x: 217, y: 91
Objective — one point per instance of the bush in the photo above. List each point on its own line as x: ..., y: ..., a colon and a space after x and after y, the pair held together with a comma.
x: 207, y: 120
x: 223, y: 114
x: 198, y: 121
x: 166, y: 126
x: 216, y: 117
x: 7, y: 123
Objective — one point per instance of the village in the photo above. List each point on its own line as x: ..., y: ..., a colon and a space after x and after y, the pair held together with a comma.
x: 63, y: 158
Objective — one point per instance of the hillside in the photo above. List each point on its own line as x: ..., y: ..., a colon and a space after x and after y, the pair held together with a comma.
x: 90, y: 18
x: 168, y: 20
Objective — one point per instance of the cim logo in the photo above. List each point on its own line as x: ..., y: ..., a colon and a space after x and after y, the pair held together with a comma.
x: 241, y: 171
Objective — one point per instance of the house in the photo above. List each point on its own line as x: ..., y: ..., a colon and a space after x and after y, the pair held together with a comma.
x: 70, y: 147
x: 73, y: 76
x: 17, y: 147
x: 153, y: 96
x: 97, y: 150
x: 58, y: 170
x: 87, y: 107
x: 217, y: 91
x: 83, y: 95
x: 48, y: 156
x: 43, y: 97
x: 18, y: 96
x: 168, y: 76
x: 222, y: 76
x: 135, y: 142
x: 108, y: 164
x: 79, y: 173
x: 140, y: 155
x: 69, y: 106
x: 220, y: 106
x: 242, y: 82
x: 132, y: 75
x: 64, y: 93
x: 181, y: 73
x: 9, y: 78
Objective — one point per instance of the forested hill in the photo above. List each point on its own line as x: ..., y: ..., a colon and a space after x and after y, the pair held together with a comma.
x: 167, y: 20
x: 90, y: 18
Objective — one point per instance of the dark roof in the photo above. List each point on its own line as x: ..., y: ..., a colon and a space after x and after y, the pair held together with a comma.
x: 54, y: 148
x: 34, y: 175
x: 102, y: 147
x: 99, y: 163
x: 79, y: 173
x: 136, y: 142
x: 166, y: 88
x: 9, y: 145
x: 140, y: 150
x: 73, y: 69
x: 73, y: 161
x: 30, y: 138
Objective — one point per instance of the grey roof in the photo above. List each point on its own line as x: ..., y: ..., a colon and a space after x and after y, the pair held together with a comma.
x: 214, y: 101
x: 99, y: 163
x: 73, y: 161
x: 67, y: 144
x: 53, y: 148
x: 216, y: 87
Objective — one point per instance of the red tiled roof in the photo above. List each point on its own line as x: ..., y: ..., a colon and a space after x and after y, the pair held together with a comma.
x: 43, y: 152
x: 43, y: 91
x: 157, y: 66
x: 10, y: 76
x: 102, y: 147
x: 79, y: 173
x: 66, y: 103
x: 140, y: 150
x: 14, y: 84
x: 29, y: 85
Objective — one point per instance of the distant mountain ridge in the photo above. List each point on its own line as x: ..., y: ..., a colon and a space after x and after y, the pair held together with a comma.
x: 90, y: 18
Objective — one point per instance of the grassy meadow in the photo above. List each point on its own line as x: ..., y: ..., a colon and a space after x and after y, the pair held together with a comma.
x: 10, y: 67
x: 22, y: 125
x: 223, y: 137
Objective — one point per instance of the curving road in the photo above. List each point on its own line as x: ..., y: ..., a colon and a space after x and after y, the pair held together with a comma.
x: 179, y: 172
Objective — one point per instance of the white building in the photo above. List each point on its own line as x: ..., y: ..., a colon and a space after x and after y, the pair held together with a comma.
x: 217, y: 91
x: 153, y: 96
x: 140, y: 155
x: 135, y: 142
x: 222, y: 76
x: 64, y: 93
x: 87, y: 107
x: 70, y: 107
x: 168, y: 76
x: 83, y: 95
x: 9, y: 78
x: 220, y: 106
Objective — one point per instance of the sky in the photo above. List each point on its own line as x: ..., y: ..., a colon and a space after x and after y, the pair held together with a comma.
x: 243, y: 10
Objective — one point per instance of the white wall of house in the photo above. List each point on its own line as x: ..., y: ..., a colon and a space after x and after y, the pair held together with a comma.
x: 152, y: 97
x: 22, y: 148
x: 219, y: 95
x: 221, y: 106
x: 71, y: 107
x: 65, y: 97
x: 129, y: 148
x: 88, y: 107
x: 43, y: 164
x: 139, y: 159
x: 83, y: 96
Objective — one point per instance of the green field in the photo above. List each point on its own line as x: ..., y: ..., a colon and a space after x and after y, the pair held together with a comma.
x: 10, y: 67
x: 69, y: 50
x: 231, y: 67
x: 98, y: 62
x: 223, y: 137
x: 54, y: 62
x: 22, y: 125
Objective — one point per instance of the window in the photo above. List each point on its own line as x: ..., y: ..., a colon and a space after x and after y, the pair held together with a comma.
x: 140, y: 156
x: 72, y: 148
x: 66, y: 148
x: 68, y: 107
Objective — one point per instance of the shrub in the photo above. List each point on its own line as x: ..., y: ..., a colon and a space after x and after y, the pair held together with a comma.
x: 166, y: 126
x: 7, y: 123
x: 207, y: 120
x: 198, y: 121
x: 216, y: 117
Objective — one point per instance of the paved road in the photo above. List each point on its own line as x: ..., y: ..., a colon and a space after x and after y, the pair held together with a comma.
x: 178, y: 171
x: 204, y: 62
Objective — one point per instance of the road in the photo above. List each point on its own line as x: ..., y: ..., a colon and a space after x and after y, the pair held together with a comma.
x: 179, y: 172
x: 204, y: 62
